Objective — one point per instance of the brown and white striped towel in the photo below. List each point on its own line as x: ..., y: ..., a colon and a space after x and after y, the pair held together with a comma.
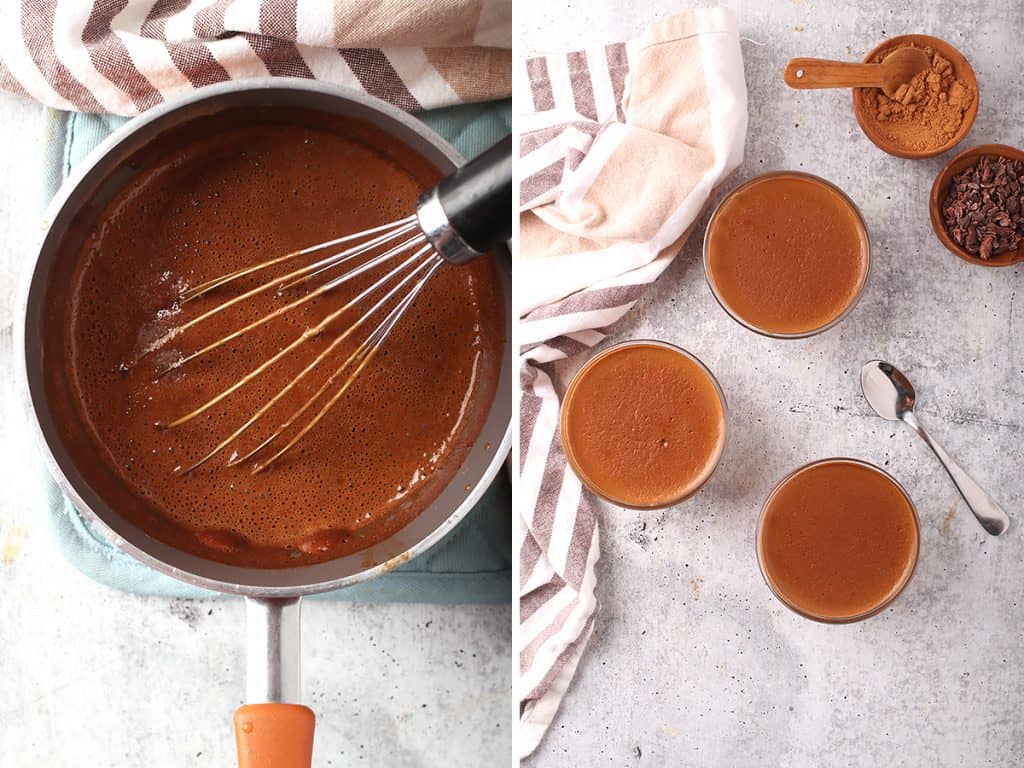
x: 124, y: 56
x: 620, y: 149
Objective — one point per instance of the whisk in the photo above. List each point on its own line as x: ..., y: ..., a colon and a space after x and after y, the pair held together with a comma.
x: 467, y: 214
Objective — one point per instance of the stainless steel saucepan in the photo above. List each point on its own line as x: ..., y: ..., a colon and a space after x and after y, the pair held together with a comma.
x: 272, y: 728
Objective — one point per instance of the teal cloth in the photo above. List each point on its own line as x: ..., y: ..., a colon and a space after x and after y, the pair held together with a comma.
x: 472, y: 564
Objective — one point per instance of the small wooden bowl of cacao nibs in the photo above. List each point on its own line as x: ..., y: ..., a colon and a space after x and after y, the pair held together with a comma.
x: 977, y: 205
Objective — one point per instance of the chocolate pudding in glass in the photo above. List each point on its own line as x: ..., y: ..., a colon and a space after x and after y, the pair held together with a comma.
x: 787, y: 254
x: 643, y: 424
x: 838, y: 540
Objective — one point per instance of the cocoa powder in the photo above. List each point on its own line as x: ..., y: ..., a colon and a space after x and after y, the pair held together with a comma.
x: 924, y: 113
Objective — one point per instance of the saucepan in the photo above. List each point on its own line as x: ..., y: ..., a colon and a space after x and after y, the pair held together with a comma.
x: 272, y: 728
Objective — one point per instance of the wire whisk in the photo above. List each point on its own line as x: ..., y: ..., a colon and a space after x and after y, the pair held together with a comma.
x: 467, y: 214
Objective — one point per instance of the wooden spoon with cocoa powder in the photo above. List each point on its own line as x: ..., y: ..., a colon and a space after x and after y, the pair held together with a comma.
x: 897, y: 68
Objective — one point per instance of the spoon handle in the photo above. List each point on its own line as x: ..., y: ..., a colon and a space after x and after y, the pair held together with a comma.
x: 984, y: 507
x: 805, y: 74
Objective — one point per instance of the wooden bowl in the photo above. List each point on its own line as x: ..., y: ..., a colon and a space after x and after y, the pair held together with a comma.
x: 941, y: 186
x: 961, y: 69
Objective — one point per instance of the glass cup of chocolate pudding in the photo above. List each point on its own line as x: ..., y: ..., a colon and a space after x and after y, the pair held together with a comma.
x: 838, y: 540
x: 787, y: 254
x: 644, y: 424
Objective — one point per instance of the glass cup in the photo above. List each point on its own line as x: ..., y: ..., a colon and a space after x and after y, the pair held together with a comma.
x: 897, y: 589
x: 594, y: 486
x: 861, y: 226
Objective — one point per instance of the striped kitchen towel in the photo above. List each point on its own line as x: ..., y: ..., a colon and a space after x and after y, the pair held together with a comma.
x: 620, y: 148
x: 124, y: 56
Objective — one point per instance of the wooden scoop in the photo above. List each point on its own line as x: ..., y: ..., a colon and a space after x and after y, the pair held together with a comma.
x: 897, y: 68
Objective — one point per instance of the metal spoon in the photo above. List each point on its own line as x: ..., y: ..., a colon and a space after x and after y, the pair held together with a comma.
x: 892, y: 397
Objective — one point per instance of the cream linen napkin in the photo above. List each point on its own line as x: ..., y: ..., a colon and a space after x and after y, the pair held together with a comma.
x: 619, y: 153
x: 124, y: 56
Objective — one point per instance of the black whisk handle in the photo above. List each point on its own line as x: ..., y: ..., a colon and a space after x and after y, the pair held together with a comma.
x: 470, y: 212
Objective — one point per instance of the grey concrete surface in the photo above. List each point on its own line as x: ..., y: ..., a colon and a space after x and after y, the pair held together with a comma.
x: 93, y: 677
x: 693, y: 662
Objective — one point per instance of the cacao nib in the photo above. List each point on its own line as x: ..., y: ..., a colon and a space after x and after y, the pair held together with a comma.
x: 984, y: 207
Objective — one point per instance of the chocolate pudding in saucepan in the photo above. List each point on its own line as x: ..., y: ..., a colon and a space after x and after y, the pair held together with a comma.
x: 787, y: 254
x: 225, y: 192
x: 838, y: 540
x: 643, y: 424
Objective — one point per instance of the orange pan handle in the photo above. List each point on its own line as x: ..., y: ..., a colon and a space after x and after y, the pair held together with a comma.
x: 273, y: 730
x: 274, y: 735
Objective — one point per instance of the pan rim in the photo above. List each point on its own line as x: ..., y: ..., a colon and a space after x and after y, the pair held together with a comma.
x: 29, y: 394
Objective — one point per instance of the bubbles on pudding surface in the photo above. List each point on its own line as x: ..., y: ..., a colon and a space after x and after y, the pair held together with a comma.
x: 385, y: 449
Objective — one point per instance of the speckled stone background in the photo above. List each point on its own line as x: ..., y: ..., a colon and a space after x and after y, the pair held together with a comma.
x: 93, y: 677
x: 693, y: 662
